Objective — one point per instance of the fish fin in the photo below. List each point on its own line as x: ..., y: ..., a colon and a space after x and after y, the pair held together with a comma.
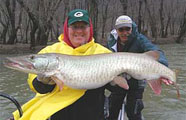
x: 153, y: 54
x: 155, y: 85
x: 121, y: 81
x: 58, y: 82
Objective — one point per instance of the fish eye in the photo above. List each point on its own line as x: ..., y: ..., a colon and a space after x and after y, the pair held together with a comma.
x: 32, y: 57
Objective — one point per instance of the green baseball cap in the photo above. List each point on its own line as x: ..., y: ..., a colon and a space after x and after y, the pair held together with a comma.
x: 78, y: 15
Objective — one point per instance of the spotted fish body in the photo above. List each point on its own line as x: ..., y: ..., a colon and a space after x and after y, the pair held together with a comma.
x: 93, y: 71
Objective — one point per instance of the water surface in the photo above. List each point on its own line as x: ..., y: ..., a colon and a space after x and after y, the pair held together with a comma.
x: 13, y: 83
x: 167, y: 106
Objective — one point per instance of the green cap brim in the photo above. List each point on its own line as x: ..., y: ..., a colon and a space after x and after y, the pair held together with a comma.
x: 71, y: 21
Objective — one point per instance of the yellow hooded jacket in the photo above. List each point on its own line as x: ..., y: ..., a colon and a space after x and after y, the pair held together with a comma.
x: 42, y: 106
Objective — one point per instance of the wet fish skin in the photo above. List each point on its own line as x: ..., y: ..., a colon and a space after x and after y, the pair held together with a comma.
x: 93, y: 71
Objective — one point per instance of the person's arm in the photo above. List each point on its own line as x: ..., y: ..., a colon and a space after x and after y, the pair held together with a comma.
x: 147, y: 45
x: 42, y: 88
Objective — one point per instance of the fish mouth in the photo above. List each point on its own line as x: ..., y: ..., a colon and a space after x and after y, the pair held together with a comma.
x: 20, y: 65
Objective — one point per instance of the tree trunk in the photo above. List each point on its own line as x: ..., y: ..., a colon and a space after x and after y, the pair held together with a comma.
x: 35, y: 24
x: 3, y: 35
x: 162, y: 31
x: 152, y: 21
x: 104, y: 16
x: 66, y: 9
x: 182, y: 30
x: 11, y: 5
x: 93, y: 12
x: 124, y: 6
x: 167, y: 25
x: 5, y: 24
x: 139, y: 16
x: 42, y: 38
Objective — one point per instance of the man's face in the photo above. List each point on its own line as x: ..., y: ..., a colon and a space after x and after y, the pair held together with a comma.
x: 123, y: 33
x: 79, y: 33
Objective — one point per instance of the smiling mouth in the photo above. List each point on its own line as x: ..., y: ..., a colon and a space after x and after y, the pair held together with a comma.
x: 124, y: 37
x: 78, y: 35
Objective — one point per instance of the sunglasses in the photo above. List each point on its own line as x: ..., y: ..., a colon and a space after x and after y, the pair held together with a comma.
x: 124, y: 29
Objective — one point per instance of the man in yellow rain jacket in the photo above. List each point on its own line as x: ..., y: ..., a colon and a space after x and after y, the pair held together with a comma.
x: 68, y: 104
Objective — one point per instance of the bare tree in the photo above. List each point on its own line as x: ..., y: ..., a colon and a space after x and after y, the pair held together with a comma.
x: 105, y: 4
x: 66, y: 8
x: 8, y: 12
x: 34, y: 21
x: 38, y: 21
x: 10, y: 5
x: 140, y: 16
x: 41, y: 20
x: 161, y: 11
x: 93, y: 11
x: 182, y: 30
x: 152, y: 20
x: 4, y: 23
x: 46, y: 13
x: 124, y: 5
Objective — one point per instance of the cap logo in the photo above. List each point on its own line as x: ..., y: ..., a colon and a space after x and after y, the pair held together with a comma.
x: 124, y: 21
x: 78, y: 14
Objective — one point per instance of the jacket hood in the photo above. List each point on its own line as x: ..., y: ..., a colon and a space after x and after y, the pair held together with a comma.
x: 134, y: 30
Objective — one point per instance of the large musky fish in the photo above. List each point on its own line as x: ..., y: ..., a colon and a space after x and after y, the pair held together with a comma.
x: 93, y: 71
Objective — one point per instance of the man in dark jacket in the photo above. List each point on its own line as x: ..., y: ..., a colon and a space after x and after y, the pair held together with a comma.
x: 126, y: 38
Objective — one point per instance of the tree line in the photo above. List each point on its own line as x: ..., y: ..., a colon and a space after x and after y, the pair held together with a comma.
x: 37, y: 22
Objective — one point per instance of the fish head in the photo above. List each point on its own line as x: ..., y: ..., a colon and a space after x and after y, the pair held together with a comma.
x: 35, y: 63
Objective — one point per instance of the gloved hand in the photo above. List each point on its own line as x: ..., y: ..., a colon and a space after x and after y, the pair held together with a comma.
x: 44, y: 79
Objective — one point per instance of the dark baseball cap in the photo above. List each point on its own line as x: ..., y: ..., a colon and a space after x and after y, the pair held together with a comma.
x: 78, y: 15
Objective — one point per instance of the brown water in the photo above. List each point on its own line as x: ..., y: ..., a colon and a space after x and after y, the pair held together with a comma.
x: 13, y: 83
x: 167, y: 106
x: 163, y: 107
